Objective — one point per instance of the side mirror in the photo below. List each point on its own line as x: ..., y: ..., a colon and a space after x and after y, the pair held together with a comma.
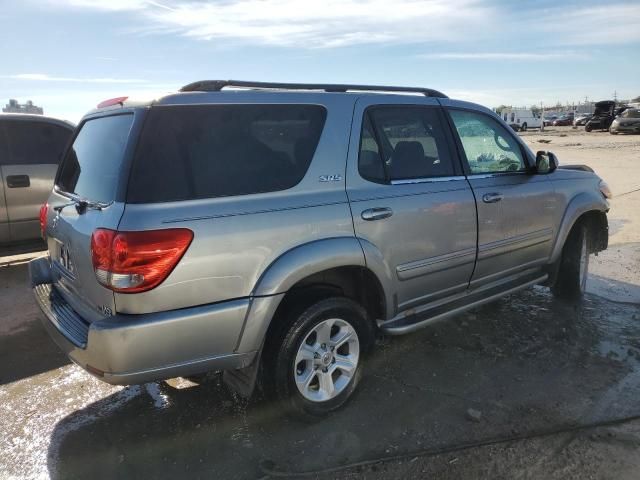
x: 546, y: 162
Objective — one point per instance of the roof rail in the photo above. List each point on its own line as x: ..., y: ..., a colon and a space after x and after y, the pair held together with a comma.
x: 217, y: 85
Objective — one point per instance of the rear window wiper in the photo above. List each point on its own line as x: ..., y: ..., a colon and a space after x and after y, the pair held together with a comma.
x: 81, y: 204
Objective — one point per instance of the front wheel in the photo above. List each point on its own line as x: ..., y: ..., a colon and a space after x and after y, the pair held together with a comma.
x: 524, y: 127
x: 571, y: 281
x: 319, y: 361
x: 588, y: 128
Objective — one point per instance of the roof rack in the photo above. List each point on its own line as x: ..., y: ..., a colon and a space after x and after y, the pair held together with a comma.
x: 217, y: 85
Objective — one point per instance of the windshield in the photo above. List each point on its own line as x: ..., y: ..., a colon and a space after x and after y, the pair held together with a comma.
x: 91, y: 168
x: 631, y: 113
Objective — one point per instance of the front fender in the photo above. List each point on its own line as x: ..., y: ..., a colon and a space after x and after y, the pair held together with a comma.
x: 579, y: 205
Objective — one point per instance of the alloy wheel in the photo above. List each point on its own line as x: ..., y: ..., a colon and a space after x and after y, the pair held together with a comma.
x: 326, y: 360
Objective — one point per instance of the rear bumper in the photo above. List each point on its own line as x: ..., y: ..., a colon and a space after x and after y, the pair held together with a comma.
x: 130, y: 349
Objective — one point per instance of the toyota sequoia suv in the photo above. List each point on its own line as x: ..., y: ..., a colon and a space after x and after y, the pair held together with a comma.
x: 269, y: 231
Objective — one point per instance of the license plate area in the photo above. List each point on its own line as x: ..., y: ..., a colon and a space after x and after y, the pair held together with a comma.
x: 64, y: 258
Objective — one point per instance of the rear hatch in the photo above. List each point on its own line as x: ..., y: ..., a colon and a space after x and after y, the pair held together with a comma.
x: 88, y: 194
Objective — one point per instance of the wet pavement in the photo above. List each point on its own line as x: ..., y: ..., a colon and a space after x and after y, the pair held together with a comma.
x: 524, y: 364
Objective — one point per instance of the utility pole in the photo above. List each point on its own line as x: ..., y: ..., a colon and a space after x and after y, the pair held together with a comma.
x: 615, y: 96
x: 541, y: 117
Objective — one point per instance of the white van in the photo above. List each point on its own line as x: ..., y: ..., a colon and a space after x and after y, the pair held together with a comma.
x: 521, y: 118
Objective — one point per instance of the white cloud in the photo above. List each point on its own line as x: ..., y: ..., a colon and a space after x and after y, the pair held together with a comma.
x: 336, y: 23
x: 614, y: 23
x: 525, y: 56
x: 43, y: 77
x: 106, y: 5
x: 309, y: 23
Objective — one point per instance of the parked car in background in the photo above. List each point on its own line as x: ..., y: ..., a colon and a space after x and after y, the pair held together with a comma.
x: 627, y: 122
x: 581, y: 119
x: 521, y: 119
x: 31, y: 147
x: 548, y: 120
x: 274, y: 230
x: 603, y: 115
x: 564, y: 120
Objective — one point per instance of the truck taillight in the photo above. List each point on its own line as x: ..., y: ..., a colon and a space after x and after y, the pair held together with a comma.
x: 44, y: 210
x: 133, y: 262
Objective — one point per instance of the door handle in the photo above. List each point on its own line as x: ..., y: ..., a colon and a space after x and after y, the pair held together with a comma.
x: 492, y: 197
x: 18, y: 181
x: 376, y: 213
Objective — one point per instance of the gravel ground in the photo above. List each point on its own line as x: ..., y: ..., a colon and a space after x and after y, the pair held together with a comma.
x: 526, y: 387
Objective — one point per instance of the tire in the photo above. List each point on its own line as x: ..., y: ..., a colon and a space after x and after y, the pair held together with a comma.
x: 588, y: 128
x: 316, y: 363
x: 524, y: 127
x: 574, y: 265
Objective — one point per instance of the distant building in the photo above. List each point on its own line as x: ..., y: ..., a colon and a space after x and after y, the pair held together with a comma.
x: 14, y: 107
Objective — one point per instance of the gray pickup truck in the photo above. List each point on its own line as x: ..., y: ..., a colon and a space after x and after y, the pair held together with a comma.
x: 31, y: 147
x: 271, y: 230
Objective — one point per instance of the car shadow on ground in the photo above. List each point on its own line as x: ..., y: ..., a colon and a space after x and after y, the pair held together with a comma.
x: 525, y: 362
x: 25, y: 347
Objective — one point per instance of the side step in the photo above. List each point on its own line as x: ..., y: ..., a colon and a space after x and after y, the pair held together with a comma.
x: 415, y: 320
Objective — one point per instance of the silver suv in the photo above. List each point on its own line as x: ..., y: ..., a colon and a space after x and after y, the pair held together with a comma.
x: 270, y: 230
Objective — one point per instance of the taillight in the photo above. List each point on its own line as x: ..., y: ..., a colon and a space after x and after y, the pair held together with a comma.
x: 44, y: 210
x: 133, y: 262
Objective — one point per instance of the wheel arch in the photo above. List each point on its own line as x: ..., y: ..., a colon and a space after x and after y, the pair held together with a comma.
x: 586, y: 207
x: 308, y: 259
x: 310, y: 272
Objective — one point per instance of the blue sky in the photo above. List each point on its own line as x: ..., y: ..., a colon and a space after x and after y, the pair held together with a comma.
x: 67, y: 55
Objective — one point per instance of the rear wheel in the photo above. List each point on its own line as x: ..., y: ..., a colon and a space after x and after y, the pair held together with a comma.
x: 574, y: 265
x: 317, y: 364
x: 524, y: 127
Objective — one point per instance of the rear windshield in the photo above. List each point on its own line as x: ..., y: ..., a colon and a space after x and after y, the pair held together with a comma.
x: 204, y: 151
x: 91, y: 168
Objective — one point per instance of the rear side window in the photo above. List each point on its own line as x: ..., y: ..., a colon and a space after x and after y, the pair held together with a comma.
x: 92, y: 166
x: 399, y: 143
x: 32, y: 143
x: 205, y: 151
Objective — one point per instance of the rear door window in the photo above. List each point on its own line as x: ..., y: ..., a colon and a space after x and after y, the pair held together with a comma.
x: 92, y: 166
x: 205, y: 151
x: 401, y: 143
x: 33, y: 143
